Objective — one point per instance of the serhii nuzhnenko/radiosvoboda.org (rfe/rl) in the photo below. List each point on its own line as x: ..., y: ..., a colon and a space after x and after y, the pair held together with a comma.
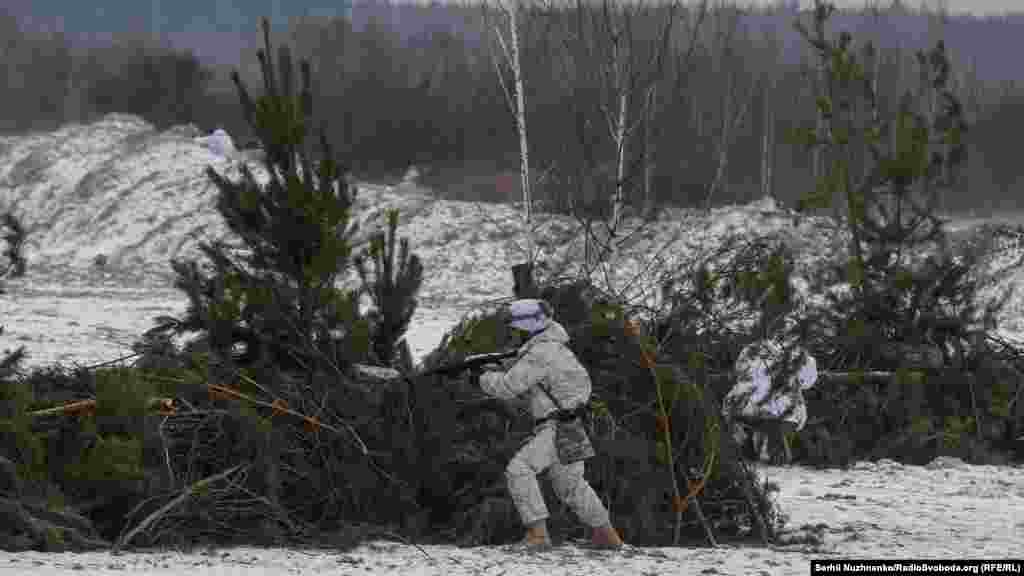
x: 954, y: 567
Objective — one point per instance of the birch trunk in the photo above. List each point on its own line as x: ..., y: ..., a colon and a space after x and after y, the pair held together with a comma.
x: 730, y: 121
x: 521, y: 116
x: 819, y: 132
x: 511, y: 51
x: 648, y: 164
x: 620, y: 172
x: 767, y: 146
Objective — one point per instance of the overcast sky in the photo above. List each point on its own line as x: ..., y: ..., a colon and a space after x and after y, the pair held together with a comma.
x: 217, y: 30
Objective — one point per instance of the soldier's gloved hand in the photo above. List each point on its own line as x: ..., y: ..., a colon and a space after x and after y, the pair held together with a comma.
x: 474, y: 376
x: 519, y: 403
x: 476, y: 371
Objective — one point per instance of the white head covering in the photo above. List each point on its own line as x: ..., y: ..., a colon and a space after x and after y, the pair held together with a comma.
x: 530, y: 315
x: 219, y: 142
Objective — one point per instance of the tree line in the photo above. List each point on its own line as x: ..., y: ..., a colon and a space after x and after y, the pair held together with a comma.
x: 710, y: 95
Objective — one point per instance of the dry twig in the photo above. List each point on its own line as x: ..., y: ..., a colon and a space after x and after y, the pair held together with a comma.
x: 187, y: 493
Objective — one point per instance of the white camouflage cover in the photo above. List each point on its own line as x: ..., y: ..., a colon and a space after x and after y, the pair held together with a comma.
x: 753, y: 383
x: 545, y: 358
x: 220, y: 143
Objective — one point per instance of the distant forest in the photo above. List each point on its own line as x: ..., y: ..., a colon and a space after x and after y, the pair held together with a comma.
x: 403, y: 84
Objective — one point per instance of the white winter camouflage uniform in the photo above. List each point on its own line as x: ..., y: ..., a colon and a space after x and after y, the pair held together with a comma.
x: 545, y: 358
x: 750, y: 395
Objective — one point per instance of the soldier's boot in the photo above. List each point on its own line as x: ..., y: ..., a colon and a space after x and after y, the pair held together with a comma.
x: 537, y: 537
x: 605, y: 537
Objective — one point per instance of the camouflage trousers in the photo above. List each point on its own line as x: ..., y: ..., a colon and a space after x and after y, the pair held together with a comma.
x: 540, y: 455
x: 765, y: 439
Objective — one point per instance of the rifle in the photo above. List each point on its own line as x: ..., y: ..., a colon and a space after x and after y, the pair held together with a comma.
x: 470, y: 363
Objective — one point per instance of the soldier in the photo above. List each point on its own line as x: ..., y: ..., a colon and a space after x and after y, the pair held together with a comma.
x: 550, y: 377
x: 752, y: 404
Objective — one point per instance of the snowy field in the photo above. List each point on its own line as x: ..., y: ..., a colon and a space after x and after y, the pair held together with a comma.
x: 882, y: 510
x: 138, y: 197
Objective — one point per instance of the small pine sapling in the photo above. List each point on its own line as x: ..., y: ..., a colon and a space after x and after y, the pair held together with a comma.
x: 15, y: 239
x: 276, y: 294
x: 392, y: 286
x: 889, y: 174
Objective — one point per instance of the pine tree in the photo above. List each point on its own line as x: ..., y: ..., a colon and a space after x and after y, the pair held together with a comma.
x: 275, y: 294
x: 891, y: 202
x: 392, y: 287
x: 15, y: 239
x: 915, y: 307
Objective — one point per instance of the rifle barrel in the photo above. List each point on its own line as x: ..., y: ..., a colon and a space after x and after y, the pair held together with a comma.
x: 470, y: 362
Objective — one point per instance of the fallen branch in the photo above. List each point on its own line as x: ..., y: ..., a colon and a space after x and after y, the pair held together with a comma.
x: 279, y: 406
x: 695, y: 489
x: 836, y: 377
x: 649, y: 363
x: 829, y: 377
x: 41, y: 525
x: 164, y: 406
x: 163, y: 510
x: 109, y: 362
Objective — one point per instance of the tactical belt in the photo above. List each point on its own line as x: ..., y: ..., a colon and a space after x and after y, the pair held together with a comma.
x: 563, y: 415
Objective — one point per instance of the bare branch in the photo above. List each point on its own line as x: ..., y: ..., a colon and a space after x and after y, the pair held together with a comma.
x: 494, y: 58
x: 187, y: 493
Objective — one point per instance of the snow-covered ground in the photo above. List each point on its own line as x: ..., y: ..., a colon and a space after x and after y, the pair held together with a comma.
x: 139, y: 197
x: 882, y: 510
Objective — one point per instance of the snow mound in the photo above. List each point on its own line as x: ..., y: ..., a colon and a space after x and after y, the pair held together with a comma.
x: 119, y: 191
